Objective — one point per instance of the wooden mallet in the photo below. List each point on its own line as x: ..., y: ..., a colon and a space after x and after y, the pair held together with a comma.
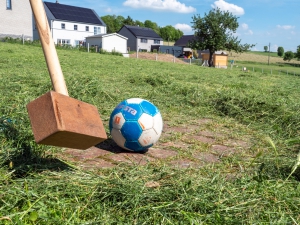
x: 57, y: 119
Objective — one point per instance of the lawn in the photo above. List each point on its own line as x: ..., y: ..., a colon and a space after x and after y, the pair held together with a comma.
x: 258, y: 184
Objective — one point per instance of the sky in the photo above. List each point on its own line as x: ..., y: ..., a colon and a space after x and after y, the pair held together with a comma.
x: 261, y: 22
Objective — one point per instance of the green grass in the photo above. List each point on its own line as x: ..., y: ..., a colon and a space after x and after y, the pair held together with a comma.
x: 277, y: 69
x: 273, y: 54
x: 249, y: 188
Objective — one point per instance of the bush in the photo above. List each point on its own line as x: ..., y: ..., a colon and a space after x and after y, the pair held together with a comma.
x: 116, y: 53
x: 280, y: 51
x: 288, y: 56
x: 20, y: 41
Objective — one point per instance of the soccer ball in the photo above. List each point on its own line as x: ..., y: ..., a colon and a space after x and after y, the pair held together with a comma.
x: 135, y: 124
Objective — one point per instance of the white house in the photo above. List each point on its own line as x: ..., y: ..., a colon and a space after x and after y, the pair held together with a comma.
x: 109, y: 42
x: 15, y: 19
x: 70, y: 24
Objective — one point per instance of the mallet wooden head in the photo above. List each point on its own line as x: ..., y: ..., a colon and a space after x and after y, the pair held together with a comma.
x: 57, y: 119
x: 63, y: 121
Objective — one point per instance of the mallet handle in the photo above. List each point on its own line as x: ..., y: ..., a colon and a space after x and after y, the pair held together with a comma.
x: 55, y: 72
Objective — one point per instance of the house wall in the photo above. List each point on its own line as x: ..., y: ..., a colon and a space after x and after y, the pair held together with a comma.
x: 173, y: 50
x: 114, y: 43
x: 16, y: 21
x: 73, y: 36
x: 97, y: 41
x: 69, y: 33
x: 132, y: 40
x: 146, y: 46
x: 109, y: 43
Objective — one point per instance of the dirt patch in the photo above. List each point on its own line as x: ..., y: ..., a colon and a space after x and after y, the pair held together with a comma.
x: 157, y: 57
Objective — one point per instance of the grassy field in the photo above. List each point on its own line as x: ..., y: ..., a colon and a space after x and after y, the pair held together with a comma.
x: 258, y: 185
x: 261, y: 57
x: 273, y: 54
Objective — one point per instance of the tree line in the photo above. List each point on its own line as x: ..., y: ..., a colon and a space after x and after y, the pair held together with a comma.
x: 114, y: 24
x: 288, y: 55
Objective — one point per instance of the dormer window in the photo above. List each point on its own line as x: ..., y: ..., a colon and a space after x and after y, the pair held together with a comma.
x: 8, y: 4
x: 75, y: 27
x: 63, y: 26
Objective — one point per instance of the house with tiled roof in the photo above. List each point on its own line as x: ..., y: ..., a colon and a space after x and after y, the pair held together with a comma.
x: 71, y: 24
x: 140, y: 38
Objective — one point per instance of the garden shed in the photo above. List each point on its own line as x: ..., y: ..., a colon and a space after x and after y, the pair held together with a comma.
x: 108, y: 42
x: 220, y: 59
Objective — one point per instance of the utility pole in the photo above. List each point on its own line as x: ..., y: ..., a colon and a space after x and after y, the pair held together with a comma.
x: 269, y: 54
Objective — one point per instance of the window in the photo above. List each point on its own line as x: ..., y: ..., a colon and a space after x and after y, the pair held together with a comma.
x: 75, y: 27
x: 63, y: 41
x: 8, y: 4
x: 97, y: 30
x: 63, y: 26
x: 144, y: 40
x: 87, y: 28
x: 156, y: 41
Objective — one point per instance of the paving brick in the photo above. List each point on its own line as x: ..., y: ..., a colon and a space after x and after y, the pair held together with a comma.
x: 96, y: 163
x: 131, y: 158
x: 90, y: 153
x: 222, y: 150
x: 178, y: 144
x: 161, y: 153
x: 184, y: 164
x: 204, y: 139
x: 206, y: 157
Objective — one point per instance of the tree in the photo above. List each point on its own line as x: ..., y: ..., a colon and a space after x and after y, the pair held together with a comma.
x: 297, y: 54
x: 152, y: 25
x: 113, y: 23
x: 266, y: 48
x: 129, y: 21
x: 280, y: 51
x: 110, y: 24
x: 139, y: 23
x: 215, y: 32
x: 119, y: 22
x: 288, y: 56
x: 170, y: 33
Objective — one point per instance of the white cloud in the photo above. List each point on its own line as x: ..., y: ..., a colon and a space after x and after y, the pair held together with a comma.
x: 249, y: 32
x: 244, y: 26
x: 108, y: 10
x: 225, y: 6
x: 160, y: 5
x: 185, y: 28
x: 285, y: 27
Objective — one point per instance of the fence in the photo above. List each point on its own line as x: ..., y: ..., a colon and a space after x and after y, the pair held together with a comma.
x: 295, y: 71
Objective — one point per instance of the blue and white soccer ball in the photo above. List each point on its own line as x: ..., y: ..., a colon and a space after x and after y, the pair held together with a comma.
x: 135, y: 124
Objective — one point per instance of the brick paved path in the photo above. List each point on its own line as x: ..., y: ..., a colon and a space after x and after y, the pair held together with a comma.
x: 174, y: 153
